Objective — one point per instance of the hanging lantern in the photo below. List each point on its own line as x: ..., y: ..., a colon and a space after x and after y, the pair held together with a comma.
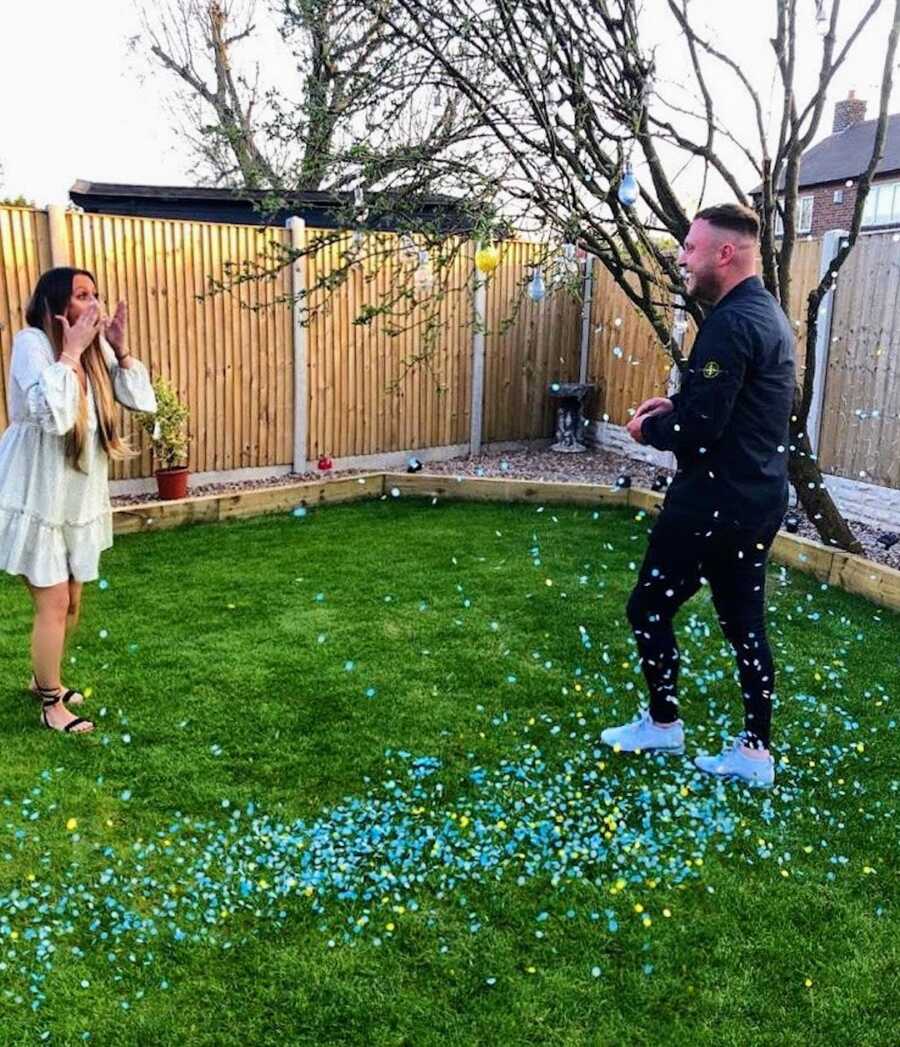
x: 487, y: 258
x: 821, y: 18
x: 408, y: 247
x: 569, y: 264
x: 629, y: 190
x: 423, y: 277
x: 360, y: 214
x: 537, y: 289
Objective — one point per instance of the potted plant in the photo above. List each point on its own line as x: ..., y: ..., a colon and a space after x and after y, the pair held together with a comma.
x: 168, y: 432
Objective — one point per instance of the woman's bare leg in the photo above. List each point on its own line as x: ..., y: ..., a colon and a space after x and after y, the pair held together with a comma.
x: 48, y: 639
x: 74, y: 610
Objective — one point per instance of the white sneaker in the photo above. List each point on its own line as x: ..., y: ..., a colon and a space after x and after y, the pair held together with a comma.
x: 643, y: 735
x: 734, y: 763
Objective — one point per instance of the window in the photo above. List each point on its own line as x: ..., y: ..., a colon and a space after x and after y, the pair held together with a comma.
x: 804, y: 216
x: 882, y: 204
x: 838, y: 196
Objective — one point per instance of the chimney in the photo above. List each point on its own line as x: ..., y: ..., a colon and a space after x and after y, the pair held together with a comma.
x: 849, y: 112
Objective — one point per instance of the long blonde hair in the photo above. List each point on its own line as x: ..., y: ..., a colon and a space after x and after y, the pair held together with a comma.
x: 49, y: 299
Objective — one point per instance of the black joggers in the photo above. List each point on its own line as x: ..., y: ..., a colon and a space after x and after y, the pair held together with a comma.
x: 681, y: 555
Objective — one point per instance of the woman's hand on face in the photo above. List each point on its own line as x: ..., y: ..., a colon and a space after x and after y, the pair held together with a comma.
x: 114, y: 329
x: 78, y: 336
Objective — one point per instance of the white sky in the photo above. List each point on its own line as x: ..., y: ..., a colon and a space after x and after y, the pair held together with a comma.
x: 73, y: 106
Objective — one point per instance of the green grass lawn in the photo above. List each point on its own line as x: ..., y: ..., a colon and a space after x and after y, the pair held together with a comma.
x: 251, y: 848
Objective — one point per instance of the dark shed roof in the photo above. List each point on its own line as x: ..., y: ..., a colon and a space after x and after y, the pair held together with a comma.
x: 321, y: 209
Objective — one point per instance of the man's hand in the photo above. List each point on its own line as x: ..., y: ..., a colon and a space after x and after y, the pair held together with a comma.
x: 655, y: 405
x: 634, y: 428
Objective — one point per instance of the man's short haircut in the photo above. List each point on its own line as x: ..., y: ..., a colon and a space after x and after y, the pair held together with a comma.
x: 734, y: 217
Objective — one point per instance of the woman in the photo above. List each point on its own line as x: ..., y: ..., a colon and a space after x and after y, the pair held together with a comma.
x: 68, y: 367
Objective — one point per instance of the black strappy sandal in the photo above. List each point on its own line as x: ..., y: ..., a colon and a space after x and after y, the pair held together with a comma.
x: 69, y: 697
x: 46, y: 703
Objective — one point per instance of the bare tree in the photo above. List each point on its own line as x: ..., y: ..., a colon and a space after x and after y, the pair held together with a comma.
x: 358, y: 90
x: 568, y: 95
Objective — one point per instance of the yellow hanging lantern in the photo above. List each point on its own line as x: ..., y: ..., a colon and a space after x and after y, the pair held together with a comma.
x: 487, y: 258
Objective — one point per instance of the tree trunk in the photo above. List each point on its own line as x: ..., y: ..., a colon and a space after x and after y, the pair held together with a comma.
x: 806, y: 476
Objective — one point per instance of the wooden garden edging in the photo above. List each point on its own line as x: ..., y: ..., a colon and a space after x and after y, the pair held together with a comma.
x: 855, y: 574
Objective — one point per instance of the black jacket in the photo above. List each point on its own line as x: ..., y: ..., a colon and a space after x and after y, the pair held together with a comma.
x: 729, y: 428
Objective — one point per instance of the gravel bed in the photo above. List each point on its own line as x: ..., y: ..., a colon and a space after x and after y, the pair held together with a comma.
x: 594, y: 466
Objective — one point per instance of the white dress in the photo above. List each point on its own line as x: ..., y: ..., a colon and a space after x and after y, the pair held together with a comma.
x: 55, y: 520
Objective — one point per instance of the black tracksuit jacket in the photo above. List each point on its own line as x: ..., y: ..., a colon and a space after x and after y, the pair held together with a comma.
x: 729, y: 427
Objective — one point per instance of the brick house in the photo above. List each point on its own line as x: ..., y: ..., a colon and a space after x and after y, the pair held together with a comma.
x: 829, y: 171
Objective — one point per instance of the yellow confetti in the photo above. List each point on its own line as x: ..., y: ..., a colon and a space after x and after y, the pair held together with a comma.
x: 72, y: 824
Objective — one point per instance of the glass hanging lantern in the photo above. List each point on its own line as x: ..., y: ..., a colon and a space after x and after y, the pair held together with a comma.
x: 569, y: 261
x: 359, y: 218
x: 537, y: 289
x: 821, y: 18
x: 423, y: 277
x: 629, y: 190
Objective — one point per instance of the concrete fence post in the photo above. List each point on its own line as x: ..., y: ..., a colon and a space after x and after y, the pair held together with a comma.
x: 297, y: 229
x: 478, y: 324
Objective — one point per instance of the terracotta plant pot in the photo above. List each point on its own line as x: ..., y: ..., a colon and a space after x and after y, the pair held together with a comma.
x: 172, y: 483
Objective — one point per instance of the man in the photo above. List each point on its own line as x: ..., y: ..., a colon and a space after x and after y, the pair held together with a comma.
x: 728, y: 427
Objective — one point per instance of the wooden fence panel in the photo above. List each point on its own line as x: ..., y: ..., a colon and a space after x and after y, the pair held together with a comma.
x: 626, y: 362
x: 24, y: 255
x: 401, y: 380
x: 224, y: 353
x: 528, y: 345
x: 860, y: 436
x: 804, y: 278
x: 405, y: 382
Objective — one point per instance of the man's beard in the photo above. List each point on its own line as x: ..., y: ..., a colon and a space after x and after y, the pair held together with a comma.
x: 701, y: 290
